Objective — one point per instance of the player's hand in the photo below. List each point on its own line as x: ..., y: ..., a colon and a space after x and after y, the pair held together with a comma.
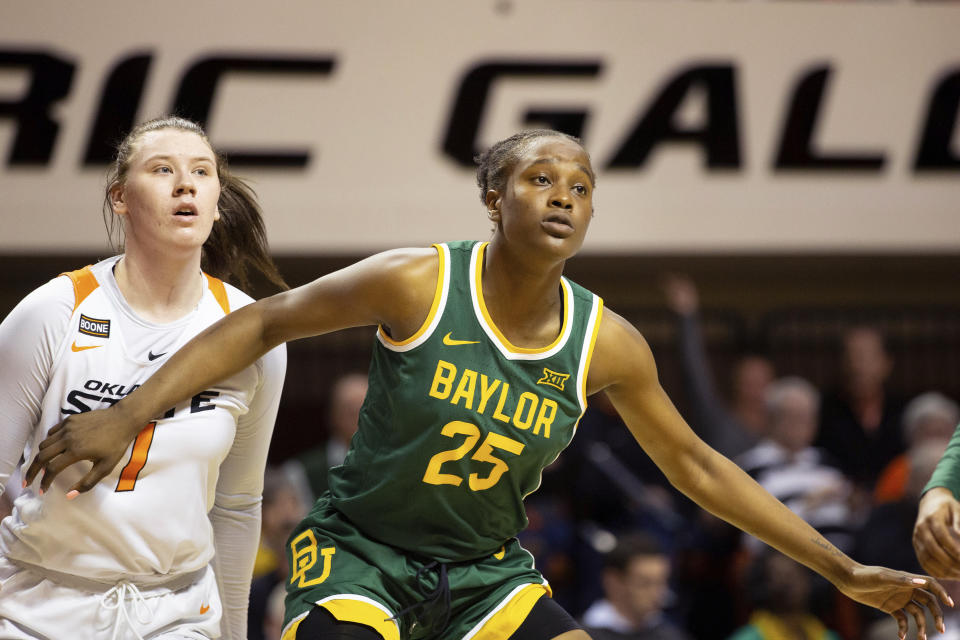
x: 98, y: 436
x: 900, y: 594
x: 936, y: 535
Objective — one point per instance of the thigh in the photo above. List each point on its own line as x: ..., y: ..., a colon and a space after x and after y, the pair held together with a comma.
x: 335, y: 567
x: 548, y: 620
x: 32, y: 606
x: 35, y: 606
x: 191, y: 613
x: 11, y: 631
x: 320, y: 624
x: 494, y: 596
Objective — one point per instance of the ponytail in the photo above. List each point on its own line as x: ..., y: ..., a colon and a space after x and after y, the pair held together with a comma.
x: 238, y: 239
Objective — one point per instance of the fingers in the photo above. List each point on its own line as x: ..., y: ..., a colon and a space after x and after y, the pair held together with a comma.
x: 902, y: 626
x: 54, y: 431
x: 942, y: 531
x: 89, y: 481
x: 937, y: 549
x: 927, y: 586
x: 924, y: 599
x: 52, y: 446
x: 914, y: 609
x: 54, y: 467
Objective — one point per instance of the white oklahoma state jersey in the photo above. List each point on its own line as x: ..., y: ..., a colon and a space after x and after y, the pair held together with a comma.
x: 149, y: 517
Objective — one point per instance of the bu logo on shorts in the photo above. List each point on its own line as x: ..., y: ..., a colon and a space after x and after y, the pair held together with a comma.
x: 304, y: 551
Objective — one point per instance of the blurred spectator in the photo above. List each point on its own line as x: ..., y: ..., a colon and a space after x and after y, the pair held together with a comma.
x: 614, y: 482
x: 787, y: 465
x: 273, y: 616
x: 636, y: 590
x: 930, y: 416
x: 707, y: 568
x: 284, y: 505
x: 730, y: 430
x: 860, y: 420
x: 611, y: 486
x: 346, y: 399
x: 778, y: 589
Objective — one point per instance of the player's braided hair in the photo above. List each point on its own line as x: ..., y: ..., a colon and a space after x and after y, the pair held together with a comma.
x: 495, y: 164
x: 238, y: 240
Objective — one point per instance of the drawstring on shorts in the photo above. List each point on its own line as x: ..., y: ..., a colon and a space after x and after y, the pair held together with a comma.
x: 431, y: 599
x: 116, y: 599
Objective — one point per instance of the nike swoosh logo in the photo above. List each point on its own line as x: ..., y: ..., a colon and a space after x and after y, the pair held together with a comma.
x: 204, y: 609
x: 74, y: 347
x: 452, y: 342
x: 151, y: 356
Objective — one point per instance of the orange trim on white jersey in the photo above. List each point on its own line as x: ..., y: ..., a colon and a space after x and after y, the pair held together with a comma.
x: 84, y: 283
x: 219, y: 292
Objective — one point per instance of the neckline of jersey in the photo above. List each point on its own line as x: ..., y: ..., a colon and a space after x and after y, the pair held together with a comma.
x: 490, y: 327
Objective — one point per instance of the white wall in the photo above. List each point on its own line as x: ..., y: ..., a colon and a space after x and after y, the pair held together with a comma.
x: 374, y: 123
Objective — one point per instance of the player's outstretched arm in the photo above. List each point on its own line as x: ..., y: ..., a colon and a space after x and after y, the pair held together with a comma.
x: 624, y: 367
x: 393, y: 289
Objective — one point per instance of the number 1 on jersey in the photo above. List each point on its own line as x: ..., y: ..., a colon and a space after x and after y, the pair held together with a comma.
x: 138, y: 458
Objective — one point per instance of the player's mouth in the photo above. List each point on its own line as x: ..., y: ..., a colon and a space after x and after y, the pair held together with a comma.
x: 558, y: 225
x: 186, y: 210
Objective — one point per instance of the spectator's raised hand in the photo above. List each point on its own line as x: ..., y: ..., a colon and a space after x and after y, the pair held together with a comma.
x: 681, y: 293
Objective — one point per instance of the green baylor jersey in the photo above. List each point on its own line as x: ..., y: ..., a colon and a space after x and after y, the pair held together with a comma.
x: 458, y: 424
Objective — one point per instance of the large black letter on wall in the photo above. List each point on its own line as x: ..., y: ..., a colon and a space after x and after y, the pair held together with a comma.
x: 199, y: 85
x: 51, y: 78
x: 118, y: 107
x: 459, y: 141
x: 796, y: 142
x: 719, y: 136
x: 934, y: 153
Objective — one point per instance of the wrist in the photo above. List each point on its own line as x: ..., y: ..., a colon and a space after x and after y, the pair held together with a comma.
x: 130, y: 417
x: 845, y: 573
x: 935, y: 494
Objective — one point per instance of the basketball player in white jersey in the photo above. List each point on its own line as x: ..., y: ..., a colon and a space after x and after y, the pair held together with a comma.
x: 165, y: 547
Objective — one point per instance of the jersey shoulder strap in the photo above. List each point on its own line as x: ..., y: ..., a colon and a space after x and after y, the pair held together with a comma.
x: 84, y: 283
x: 219, y: 292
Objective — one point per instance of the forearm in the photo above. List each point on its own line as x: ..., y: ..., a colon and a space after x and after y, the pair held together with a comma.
x: 236, y: 535
x: 725, y: 490
x: 222, y: 349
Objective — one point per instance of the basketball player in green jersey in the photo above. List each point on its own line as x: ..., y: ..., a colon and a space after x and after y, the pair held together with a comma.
x: 484, y: 357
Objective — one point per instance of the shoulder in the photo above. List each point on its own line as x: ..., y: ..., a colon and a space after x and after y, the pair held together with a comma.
x: 398, y: 276
x: 411, y: 262
x: 38, y: 324
x: 52, y: 302
x: 621, y: 354
x: 237, y: 297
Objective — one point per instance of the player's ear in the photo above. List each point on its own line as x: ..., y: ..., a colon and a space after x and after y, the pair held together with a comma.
x: 493, y: 201
x: 118, y: 201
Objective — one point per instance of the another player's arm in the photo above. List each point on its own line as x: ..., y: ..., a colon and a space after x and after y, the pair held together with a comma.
x: 394, y: 289
x: 936, y: 534
x: 624, y: 367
